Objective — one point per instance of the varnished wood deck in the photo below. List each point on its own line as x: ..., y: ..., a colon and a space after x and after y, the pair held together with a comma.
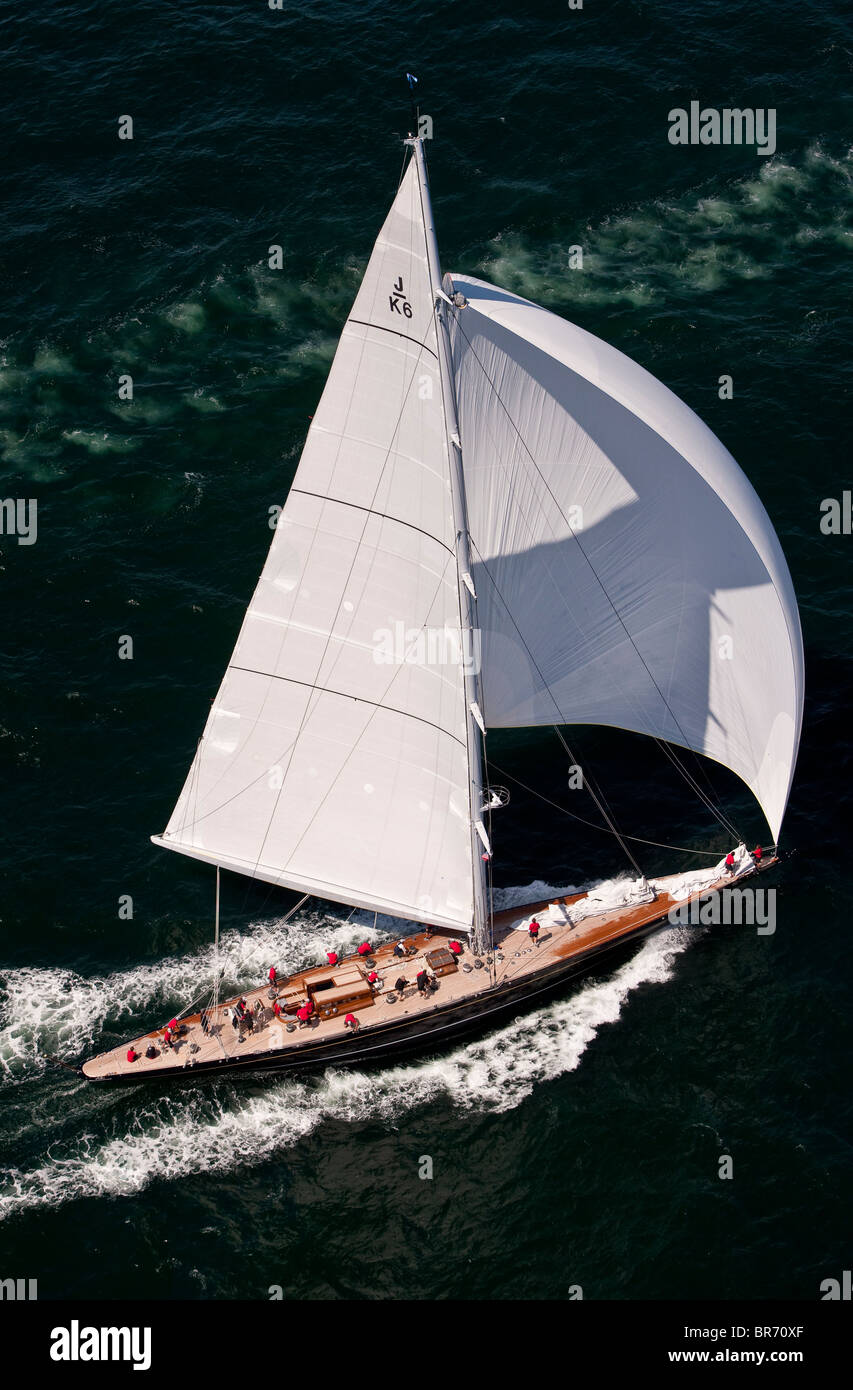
x: 515, y: 959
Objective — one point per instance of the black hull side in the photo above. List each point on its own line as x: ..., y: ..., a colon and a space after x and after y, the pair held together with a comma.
x: 378, y: 1045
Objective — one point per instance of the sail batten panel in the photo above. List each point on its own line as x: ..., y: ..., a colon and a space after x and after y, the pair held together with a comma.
x: 320, y: 888
x: 332, y: 790
x: 381, y: 446
x: 627, y: 573
x: 335, y: 757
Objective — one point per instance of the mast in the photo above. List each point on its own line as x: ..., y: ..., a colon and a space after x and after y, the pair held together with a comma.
x: 480, y: 935
x: 216, y: 952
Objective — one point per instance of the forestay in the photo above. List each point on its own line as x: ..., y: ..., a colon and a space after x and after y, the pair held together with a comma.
x: 626, y: 571
x: 328, y: 764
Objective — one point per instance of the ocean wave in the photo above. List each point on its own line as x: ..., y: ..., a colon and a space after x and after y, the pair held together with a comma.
x: 692, y: 245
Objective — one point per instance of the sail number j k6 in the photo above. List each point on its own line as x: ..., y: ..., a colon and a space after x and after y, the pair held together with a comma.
x: 398, y: 301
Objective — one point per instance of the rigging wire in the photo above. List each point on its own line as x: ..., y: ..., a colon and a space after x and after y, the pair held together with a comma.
x: 680, y: 849
x: 402, y: 167
x: 208, y: 993
x: 679, y: 767
x: 598, y: 798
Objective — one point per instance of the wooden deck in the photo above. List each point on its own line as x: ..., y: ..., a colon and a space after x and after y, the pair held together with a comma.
x: 515, y: 958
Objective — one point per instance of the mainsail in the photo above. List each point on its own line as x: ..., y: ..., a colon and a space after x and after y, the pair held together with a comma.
x: 626, y: 571
x: 333, y: 762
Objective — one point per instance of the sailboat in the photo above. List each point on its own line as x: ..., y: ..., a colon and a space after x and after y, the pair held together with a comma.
x: 498, y: 521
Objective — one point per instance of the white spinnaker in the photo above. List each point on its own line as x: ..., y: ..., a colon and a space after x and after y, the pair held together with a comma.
x: 626, y: 571
x: 321, y: 767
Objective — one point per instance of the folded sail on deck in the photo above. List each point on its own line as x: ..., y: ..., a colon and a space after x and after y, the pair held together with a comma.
x: 334, y: 759
x: 626, y: 571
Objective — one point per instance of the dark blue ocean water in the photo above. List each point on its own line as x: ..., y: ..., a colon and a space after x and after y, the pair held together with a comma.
x: 581, y: 1144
